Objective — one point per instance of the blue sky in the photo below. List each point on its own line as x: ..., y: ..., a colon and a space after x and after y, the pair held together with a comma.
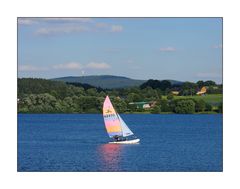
x: 185, y: 49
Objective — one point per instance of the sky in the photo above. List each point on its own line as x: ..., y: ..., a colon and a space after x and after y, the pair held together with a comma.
x: 184, y: 49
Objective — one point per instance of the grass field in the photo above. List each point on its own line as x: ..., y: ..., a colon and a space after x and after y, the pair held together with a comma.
x: 213, y: 99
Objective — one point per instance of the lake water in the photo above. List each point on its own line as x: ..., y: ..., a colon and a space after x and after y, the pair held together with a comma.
x: 79, y: 142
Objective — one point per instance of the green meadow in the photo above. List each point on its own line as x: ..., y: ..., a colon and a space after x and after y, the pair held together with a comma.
x: 213, y: 99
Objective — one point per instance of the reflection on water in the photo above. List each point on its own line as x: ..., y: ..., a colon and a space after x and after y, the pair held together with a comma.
x: 111, y: 155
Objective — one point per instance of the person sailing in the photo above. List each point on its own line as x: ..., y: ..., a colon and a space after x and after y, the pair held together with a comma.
x: 117, y: 138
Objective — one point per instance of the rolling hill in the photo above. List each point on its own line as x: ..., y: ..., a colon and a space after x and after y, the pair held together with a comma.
x: 105, y: 81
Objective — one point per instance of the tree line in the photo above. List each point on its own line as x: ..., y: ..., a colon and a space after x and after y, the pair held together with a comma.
x: 185, y: 88
x: 46, y: 96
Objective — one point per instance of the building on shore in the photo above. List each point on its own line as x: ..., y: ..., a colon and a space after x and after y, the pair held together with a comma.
x: 202, y: 92
x: 175, y: 93
x: 144, y: 105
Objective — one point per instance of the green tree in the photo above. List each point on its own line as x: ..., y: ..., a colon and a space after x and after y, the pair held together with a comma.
x: 70, y: 105
x: 200, y: 83
x: 102, y: 94
x: 165, y: 106
x: 79, y: 91
x: 156, y: 109
x: 90, y: 103
x: 92, y: 92
x: 154, y: 84
x: 131, y: 107
x: 23, y: 109
x: 120, y: 105
x: 58, y: 107
x: 170, y: 96
x: 208, y: 107
x: 133, y: 97
x: 149, y: 94
x: 185, y: 106
x: 220, y: 108
x: 159, y: 93
x: 189, y: 88
x: 40, y: 103
x: 209, y: 83
x: 200, y: 105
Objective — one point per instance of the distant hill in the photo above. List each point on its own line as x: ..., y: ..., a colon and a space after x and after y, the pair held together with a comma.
x: 175, y: 82
x: 84, y: 85
x: 107, y: 81
x: 103, y: 81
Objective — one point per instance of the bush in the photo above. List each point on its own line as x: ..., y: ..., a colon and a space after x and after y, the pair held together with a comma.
x: 200, y: 105
x: 185, y: 106
x: 165, y: 106
x: 170, y: 96
x: 156, y: 110
x: 220, y: 108
x: 208, y: 107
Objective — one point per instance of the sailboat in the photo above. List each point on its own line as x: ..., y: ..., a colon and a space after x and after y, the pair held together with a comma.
x: 116, y: 128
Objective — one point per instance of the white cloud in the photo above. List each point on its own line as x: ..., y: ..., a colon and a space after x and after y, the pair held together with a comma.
x: 48, y: 26
x: 76, y: 28
x: 167, y: 49
x: 68, y: 66
x: 78, y: 66
x: 67, y: 19
x: 95, y: 65
x: 30, y: 21
x: 116, y: 28
x: 26, y: 21
x: 61, y: 29
x: 29, y: 68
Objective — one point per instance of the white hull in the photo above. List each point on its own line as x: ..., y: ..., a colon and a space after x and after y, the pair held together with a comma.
x: 134, y: 141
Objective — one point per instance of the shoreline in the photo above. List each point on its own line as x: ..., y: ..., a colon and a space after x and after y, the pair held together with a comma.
x: 163, y: 113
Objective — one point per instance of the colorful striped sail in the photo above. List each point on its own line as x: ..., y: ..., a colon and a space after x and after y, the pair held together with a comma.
x: 125, y: 130
x: 111, y: 120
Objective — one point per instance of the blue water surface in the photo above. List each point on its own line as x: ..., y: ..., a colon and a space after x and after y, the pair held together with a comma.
x: 79, y: 142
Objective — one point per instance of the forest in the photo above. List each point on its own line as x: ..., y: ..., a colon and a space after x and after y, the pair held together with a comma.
x: 47, y: 96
